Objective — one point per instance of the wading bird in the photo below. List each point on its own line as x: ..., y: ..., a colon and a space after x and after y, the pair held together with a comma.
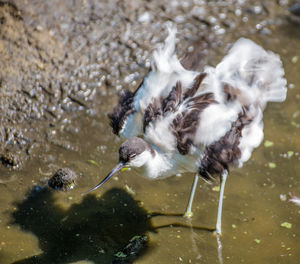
x: 181, y: 121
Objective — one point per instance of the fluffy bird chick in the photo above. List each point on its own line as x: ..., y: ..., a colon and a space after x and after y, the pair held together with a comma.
x: 181, y: 121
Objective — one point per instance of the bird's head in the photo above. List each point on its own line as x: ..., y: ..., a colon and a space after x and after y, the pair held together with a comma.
x: 134, y: 152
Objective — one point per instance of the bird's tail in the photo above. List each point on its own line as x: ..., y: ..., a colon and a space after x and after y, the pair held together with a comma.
x: 256, y: 73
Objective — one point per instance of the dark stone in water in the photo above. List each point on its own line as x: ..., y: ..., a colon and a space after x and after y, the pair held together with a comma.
x: 294, y: 15
x: 131, y: 251
x: 9, y: 159
x: 295, y: 9
x: 63, y: 179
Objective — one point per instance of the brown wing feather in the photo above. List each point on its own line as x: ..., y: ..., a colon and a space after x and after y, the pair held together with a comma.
x: 121, y: 111
x: 152, y: 112
x: 195, y: 86
x: 225, y: 152
x: 124, y: 108
x: 171, y: 103
x: 185, y: 124
x: 159, y: 107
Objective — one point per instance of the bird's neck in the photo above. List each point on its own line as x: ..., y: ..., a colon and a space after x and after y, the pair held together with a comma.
x: 162, y: 164
x: 159, y: 165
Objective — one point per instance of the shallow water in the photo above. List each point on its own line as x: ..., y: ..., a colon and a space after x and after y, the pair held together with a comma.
x: 38, y: 225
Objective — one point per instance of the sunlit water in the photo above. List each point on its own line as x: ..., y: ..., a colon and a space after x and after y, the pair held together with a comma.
x: 60, y: 227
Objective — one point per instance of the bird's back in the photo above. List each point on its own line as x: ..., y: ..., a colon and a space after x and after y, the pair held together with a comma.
x: 216, y: 114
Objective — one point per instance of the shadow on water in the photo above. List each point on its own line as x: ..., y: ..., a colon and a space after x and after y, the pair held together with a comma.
x: 180, y: 225
x: 94, y: 230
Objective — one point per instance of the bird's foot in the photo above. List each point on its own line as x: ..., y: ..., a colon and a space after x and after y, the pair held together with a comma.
x: 217, y: 232
x: 188, y: 214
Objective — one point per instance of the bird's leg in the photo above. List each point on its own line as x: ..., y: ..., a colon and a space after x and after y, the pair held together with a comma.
x: 188, y: 212
x: 219, y: 217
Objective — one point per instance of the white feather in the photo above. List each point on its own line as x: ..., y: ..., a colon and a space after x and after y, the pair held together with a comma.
x: 164, y: 57
x: 252, y: 136
x: 257, y: 73
x: 215, y: 121
x: 140, y: 159
x: 160, y: 166
x: 160, y: 134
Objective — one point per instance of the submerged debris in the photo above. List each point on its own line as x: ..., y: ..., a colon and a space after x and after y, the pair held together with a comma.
x: 131, y: 251
x: 290, y: 154
x: 272, y: 165
x: 63, y: 179
x: 295, y: 59
x: 93, y: 162
x: 257, y: 241
x: 216, y: 188
x: 283, y: 197
x: 286, y: 225
x: 268, y: 143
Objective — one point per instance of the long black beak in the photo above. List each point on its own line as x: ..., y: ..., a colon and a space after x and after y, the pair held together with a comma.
x: 113, y: 171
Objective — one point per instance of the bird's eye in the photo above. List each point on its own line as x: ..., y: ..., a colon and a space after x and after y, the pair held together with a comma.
x: 132, y: 155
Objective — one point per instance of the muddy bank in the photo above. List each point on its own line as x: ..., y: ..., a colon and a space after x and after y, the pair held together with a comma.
x: 59, y: 59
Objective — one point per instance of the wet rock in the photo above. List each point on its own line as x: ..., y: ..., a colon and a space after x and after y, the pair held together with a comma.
x: 294, y: 13
x: 9, y: 159
x: 295, y: 9
x: 64, y: 179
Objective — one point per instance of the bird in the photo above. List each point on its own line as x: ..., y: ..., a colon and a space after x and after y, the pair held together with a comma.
x: 179, y: 120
